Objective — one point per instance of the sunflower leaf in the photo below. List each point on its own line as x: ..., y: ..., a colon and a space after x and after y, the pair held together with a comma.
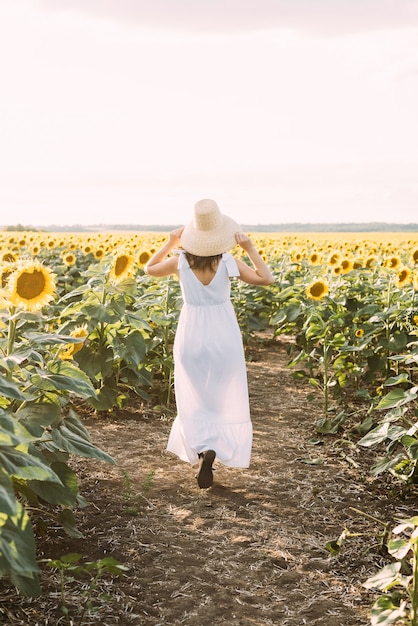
x: 18, y: 550
x: 396, y: 397
x: 7, y: 495
x: 10, y: 389
x: 65, y: 376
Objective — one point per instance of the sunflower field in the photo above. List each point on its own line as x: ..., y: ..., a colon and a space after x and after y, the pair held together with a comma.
x: 81, y: 324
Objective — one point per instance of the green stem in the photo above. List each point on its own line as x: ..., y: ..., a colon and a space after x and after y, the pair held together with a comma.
x: 325, y: 378
x: 12, y: 332
x: 170, y: 381
x: 62, y: 585
x: 102, y: 325
x: 387, y: 326
x: 414, y: 593
x: 92, y: 586
x: 166, y: 345
x: 375, y: 519
x: 34, y: 509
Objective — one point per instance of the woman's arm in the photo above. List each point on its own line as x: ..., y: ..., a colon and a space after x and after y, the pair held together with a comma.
x: 260, y: 274
x: 159, y: 265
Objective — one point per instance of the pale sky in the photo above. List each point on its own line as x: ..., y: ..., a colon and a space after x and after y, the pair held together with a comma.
x: 129, y: 111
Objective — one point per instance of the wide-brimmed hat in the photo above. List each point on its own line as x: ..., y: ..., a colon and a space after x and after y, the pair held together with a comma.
x: 210, y: 232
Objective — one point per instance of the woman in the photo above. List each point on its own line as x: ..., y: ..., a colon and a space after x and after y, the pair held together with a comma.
x: 210, y: 379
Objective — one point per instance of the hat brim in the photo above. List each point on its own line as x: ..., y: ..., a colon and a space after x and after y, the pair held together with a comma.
x: 210, y: 243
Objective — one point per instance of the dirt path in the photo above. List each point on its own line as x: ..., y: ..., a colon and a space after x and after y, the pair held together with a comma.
x: 250, y: 550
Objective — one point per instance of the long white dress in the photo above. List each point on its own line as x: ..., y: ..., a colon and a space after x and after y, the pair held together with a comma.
x: 210, y: 376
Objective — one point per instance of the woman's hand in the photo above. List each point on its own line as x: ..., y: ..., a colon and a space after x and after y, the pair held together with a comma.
x: 260, y: 274
x: 159, y: 265
x: 244, y: 241
x: 175, y: 236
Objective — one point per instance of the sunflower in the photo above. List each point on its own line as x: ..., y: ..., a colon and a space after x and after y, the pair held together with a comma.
x: 317, y: 290
x: 70, y: 349
x: 359, y: 333
x: 334, y: 258
x: 415, y: 320
x: 346, y: 266
x: 68, y: 258
x: 404, y: 277
x: 371, y: 262
x: 315, y: 258
x: 8, y: 257
x: 122, y: 267
x: 31, y: 286
x: 66, y: 353
x: 5, y: 272
x: 393, y: 262
x: 99, y: 253
x: 415, y: 256
x: 144, y: 257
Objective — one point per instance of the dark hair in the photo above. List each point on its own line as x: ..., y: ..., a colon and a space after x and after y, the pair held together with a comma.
x: 203, y: 262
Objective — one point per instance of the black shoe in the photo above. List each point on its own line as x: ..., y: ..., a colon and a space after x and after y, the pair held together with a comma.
x: 205, y: 473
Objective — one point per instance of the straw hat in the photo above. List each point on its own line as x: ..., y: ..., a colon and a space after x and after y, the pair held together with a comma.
x: 210, y: 232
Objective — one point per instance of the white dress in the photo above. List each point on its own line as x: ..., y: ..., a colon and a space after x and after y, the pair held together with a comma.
x: 210, y: 376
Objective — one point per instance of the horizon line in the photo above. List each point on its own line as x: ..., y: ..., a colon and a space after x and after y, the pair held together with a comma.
x: 260, y: 227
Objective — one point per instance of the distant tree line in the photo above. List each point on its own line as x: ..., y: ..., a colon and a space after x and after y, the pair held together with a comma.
x: 297, y: 227
x: 20, y: 228
x: 294, y: 227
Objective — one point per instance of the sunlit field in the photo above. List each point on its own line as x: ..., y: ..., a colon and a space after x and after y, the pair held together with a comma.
x: 80, y: 322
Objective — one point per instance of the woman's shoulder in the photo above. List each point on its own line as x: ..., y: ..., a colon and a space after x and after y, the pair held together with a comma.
x: 181, y: 258
x: 231, y: 264
x: 163, y: 268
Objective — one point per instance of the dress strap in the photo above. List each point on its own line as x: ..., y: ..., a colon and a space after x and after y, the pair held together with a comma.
x: 231, y: 264
x: 182, y: 261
